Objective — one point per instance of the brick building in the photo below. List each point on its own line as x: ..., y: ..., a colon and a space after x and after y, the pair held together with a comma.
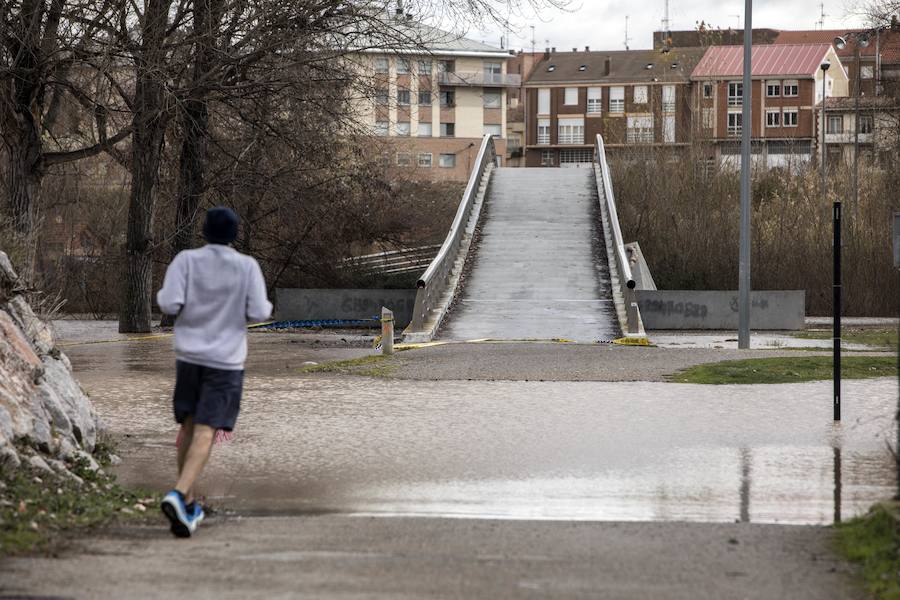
x: 631, y: 97
x: 435, y: 101
x: 787, y: 86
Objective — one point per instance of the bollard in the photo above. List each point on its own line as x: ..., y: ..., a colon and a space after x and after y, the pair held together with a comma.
x: 387, y: 331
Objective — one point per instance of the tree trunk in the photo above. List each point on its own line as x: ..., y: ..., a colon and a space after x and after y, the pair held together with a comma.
x: 149, y: 126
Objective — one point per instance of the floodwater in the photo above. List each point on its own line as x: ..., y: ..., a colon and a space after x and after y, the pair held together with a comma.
x: 540, y: 269
x: 520, y: 450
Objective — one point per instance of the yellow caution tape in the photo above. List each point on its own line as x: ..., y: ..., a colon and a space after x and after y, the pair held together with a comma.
x: 642, y: 341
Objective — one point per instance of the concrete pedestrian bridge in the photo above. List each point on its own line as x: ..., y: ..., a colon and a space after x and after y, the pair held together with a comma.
x: 532, y: 253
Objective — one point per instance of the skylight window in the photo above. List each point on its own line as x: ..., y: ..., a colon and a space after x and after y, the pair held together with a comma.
x: 551, y: 68
x: 649, y: 66
x: 582, y: 68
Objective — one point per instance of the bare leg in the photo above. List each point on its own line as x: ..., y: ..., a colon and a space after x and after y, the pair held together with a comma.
x: 196, y: 457
x: 187, y: 437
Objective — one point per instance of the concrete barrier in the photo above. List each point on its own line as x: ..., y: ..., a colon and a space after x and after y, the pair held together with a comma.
x: 686, y: 309
x: 294, y: 304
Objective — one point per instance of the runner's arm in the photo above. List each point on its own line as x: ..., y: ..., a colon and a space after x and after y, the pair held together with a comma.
x: 170, y: 297
x: 258, y: 306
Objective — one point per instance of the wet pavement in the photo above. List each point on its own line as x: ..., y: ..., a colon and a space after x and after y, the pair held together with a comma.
x: 509, y: 449
x: 540, y: 269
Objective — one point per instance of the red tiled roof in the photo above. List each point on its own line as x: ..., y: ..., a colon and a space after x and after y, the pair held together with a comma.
x: 780, y: 60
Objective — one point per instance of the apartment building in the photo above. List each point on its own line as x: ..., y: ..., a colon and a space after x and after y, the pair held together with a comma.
x: 787, y: 86
x: 631, y: 97
x: 878, y: 119
x: 435, y: 101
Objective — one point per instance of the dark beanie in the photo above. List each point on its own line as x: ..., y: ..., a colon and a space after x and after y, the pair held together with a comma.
x: 221, y: 226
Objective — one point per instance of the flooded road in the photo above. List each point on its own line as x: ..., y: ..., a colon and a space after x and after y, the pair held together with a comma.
x: 520, y: 450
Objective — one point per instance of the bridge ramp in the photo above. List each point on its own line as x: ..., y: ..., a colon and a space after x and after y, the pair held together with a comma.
x: 540, y: 269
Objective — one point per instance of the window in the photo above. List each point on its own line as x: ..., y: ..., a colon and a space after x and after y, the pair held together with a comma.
x: 735, y: 94
x: 594, y: 100
x: 617, y: 99
x: 576, y: 156
x: 425, y: 160
x: 381, y: 96
x: 668, y: 98
x: 446, y: 66
x: 867, y: 72
x: 447, y: 161
x: 640, y: 94
x: 404, y: 159
x: 834, y: 124
x: 448, y: 129
x: 382, y: 64
x: 773, y: 118
x: 571, y: 97
x: 493, y: 130
x: 866, y: 124
x: 403, y: 97
x: 547, y: 158
x: 543, y: 131
x: 448, y: 97
x: 425, y: 98
x: 403, y: 128
x: 493, y: 72
x: 790, y: 87
x: 773, y: 89
x: 424, y: 66
x: 493, y: 99
x: 402, y: 66
x: 734, y: 124
x: 789, y: 117
x: 707, y: 90
x: 424, y: 129
x: 709, y: 116
x: 571, y: 131
x: 543, y: 101
x: 640, y: 130
x: 669, y: 129
x: 381, y: 128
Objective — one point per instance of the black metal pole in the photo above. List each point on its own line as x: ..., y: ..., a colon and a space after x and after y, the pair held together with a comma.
x: 837, y: 310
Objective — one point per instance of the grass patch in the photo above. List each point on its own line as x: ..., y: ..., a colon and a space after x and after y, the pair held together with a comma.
x: 792, y: 369
x: 881, y: 338
x: 873, y: 542
x: 38, y: 508
x: 376, y: 365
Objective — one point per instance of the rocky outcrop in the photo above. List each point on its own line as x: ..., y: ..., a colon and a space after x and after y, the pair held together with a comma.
x: 41, y: 404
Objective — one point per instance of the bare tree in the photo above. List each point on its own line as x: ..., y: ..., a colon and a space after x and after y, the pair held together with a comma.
x: 51, y: 55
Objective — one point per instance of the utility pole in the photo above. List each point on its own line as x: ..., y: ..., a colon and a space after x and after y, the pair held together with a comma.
x: 746, y: 130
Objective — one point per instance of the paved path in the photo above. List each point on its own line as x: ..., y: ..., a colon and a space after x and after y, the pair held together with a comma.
x: 540, y: 266
x: 335, y: 557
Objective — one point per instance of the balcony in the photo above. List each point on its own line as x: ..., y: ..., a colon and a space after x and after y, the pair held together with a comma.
x: 846, y: 137
x: 480, y: 79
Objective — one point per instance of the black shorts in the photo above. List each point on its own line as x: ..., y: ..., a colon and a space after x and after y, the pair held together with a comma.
x: 211, y: 396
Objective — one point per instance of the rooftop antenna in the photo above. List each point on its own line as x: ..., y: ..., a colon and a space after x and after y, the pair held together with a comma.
x: 665, y: 21
x: 822, y: 15
x: 627, y: 39
x: 533, y: 41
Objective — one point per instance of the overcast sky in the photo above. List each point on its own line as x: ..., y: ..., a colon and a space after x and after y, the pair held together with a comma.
x: 600, y: 24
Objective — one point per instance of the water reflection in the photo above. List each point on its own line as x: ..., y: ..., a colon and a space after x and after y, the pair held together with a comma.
x: 745, y: 485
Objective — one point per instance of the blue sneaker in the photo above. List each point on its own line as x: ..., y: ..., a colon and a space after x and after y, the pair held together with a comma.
x: 183, y: 524
x: 195, y: 511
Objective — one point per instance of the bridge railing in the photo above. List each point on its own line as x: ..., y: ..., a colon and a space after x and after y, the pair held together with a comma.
x: 433, y: 283
x: 633, y: 325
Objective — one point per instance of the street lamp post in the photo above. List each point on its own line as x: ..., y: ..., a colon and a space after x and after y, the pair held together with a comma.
x: 824, y: 66
x: 861, y: 40
x: 744, y: 280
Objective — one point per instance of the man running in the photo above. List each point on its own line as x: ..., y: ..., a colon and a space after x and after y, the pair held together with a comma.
x: 213, y: 291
